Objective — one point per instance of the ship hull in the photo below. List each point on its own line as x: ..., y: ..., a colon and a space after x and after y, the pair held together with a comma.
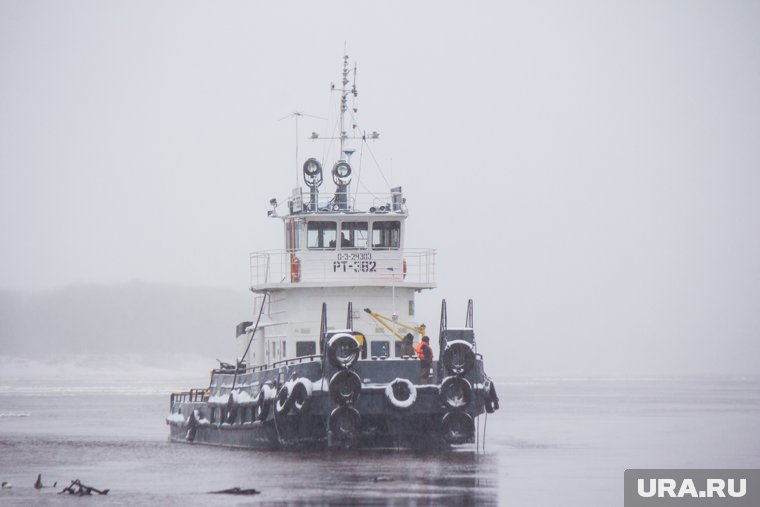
x: 312, y: 404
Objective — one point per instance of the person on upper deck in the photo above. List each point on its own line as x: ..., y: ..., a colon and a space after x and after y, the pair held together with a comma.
x: 425, y: 355
x: 407, y: 345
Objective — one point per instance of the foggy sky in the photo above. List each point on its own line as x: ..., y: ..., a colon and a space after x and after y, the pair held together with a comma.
x: 589, y: 173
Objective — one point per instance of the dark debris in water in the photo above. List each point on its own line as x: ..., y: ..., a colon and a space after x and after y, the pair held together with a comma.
x: 79, y: 489
x: 38, y: 483
x: 235, y: 491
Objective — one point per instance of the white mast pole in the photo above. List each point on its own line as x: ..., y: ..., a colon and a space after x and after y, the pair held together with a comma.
x: 343, y: 104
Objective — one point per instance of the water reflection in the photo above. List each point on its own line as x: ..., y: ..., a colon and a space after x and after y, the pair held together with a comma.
x: 390, y: 478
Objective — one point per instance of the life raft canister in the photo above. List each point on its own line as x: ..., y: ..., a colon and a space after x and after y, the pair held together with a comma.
x: 295, y: 268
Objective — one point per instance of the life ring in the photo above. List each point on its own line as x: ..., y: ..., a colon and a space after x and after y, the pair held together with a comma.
x: 295, y: 268
x: 403, y: 268
x: 457, y: 427
x: 301, y: 394
x: 401, y: 393
x: 345, y: 387
x: 345, y: 421
x: 455, y: 392
x: 343, y: 350
x: 458, y: 357
x: 284, y: 402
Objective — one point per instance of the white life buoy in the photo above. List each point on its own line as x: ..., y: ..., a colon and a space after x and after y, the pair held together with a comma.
x: 401, y: 393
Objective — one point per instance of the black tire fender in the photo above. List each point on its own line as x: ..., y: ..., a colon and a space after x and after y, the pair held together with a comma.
x: 455, y: 392
x: 457, y: 427
x: 262, y: 405
x: 231, y: 409
x: 458, y: 357
x: 301, y: 395
x: 345, y: 387
x: 283, y: 401
x: 343, y: 350
x: 345, y: 421
x: 490, y: 399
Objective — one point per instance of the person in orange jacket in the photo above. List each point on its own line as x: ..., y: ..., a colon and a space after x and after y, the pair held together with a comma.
x: 425, y: 355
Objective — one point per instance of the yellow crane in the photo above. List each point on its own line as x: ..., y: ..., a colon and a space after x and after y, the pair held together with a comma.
x: 387, y: 322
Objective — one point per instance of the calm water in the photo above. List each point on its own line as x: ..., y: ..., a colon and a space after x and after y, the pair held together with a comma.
x: 555, y: 442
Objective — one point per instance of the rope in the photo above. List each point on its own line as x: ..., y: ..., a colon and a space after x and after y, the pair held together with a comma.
x: 358, y: 173
x: 247, y: 348
x: 377, y: 164
x: 274, y: 416
x: 485, y: 423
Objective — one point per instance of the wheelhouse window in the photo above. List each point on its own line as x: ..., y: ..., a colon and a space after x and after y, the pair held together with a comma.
x: 321, y: 235
x: 386, y: 235
x: 306, y: 348
x: 380, y: 349
x: 354, y: 235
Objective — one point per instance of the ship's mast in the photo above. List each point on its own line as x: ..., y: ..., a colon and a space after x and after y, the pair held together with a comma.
x: 344, y: 104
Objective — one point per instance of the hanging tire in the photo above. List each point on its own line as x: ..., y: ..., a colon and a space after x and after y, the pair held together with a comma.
x: 457, y: 427
x: 345, y: 422
x: 458, y: 357
x: 192, y: 426
x: 401, y: 393
x: 262, y: 405
x: 231, y: 410
x: 455, y: 392
x: 283, y: 402
x: 345, y: 387
x: 343, y: 350
x: 301, y: 395
x: 492, y: 397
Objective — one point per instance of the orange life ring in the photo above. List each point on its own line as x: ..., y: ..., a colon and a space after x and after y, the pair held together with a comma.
x: 295, y: 268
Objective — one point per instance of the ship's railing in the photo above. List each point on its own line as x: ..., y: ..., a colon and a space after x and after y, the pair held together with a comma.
x: 412, y: 265
x: 296, y: 360
x: 264, y: 367
x: 198, y: 394
x: 374, y: 202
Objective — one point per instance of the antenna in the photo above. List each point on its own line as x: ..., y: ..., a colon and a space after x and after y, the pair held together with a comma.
x: 343, y: 103
x: 296, y: 115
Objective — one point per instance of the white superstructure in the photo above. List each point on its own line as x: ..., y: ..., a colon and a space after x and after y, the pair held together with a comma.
x: 346, y: 248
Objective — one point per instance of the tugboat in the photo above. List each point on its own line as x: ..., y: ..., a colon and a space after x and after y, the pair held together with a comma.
x: 303, y: 380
